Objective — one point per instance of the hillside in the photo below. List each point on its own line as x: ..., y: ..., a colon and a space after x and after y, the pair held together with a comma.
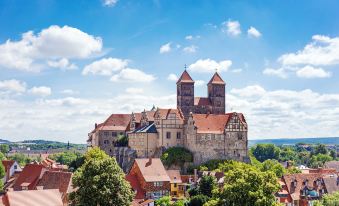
x: 322, y: 140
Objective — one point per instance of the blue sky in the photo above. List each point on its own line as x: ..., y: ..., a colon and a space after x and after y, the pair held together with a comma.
x: 65, y: 65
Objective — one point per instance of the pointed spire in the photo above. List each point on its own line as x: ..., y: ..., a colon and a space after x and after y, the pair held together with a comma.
x: 185, y: 78
x: 216, y: 79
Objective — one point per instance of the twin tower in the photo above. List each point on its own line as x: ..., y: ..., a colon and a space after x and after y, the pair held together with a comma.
x: 213, y: 104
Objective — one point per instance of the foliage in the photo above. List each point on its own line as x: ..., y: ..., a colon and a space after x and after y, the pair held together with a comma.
x: 320, y: 149
x: 193, y: 191
x: 23, y: 159
x: 263, y: 152
x: 122, y: 141
x: 4, y: 148
x: 274, y: 166
x: 163, y: 201
x: 287, y: 154
x: 100, y: 181
x: 206, y: 185
x: 180, y: 203
x: 328, y: 200
x: 72, y: 159
x: 198, y: 200
x: 211, y: 165
x: 293, y: 170
x: 176, y: 156
x: 319, y: 160
x: 2, y: 171
x: 246, y: 185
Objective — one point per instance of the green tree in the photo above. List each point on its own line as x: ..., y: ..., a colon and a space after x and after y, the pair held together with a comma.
x: 100, y: 182
x: 247, y: 186
x: 206, y: 185
x: 328, y: 200
x: 180, y: 203
x: 319, y: 160
x: 4, y: 148
x: 199, y: 200
x: 320, y: 149
x: 263, y: 152
x: 274, y: 166
x: 176, y: 156
x: 64, y: 158
x: 287, y: 154
x: 163, y: 201
x: 2, y: 172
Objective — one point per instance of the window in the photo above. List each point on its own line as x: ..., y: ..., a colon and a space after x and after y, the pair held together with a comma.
x: 15, y: 167
x: 106, y: 142
x: 168, y: 135
x: 178, y: 135
x: 114, y: 134
x: 157, y: 184
x: 106, y: 133
x: 175, y: 185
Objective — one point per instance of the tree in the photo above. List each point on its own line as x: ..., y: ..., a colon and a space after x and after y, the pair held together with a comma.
x: 4, y: 148
x: 328, y: 200
x: 274, y: 166
x: 163, y: 201
x: 247, y: 186
x: 198, y: 200
x: 206, y: 185
x: 100, y: 182
x: 287, y: 154
x: 319, y: 160
x: 320, y: 149
x: 176, y: 156
x: 263, y: 152
x: 2, y: 172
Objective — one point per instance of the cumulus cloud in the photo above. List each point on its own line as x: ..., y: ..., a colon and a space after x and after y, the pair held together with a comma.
x: 172, y: 77
x: 62, y: 64
x: 165, y: 48
x: 322, y: 51
x: 190, y: 49
x: 210, y: 66
x: 68, y: 101
x: 133, y: 90
x: 199, y: 83
x: 310, y: 72
x: 105, y: 66
x: 281, y: 72
x: 286, y: 113
x: 191, y: 37
x: 69, y: 92
x: 132, y: 75
x: 253, y: 32
x: 41, y: 91
x: 33, y: 51
x: 232, y: 28
x: 109, y: 3
x: 13, y: 85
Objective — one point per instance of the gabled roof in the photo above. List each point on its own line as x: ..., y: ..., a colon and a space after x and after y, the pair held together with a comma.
x: 116, y: 122
x: 34, y: 198
x: 331, y: 183
x: 135, y: 184
x: 174, y: 175
x: 56, y: 180
x: 29, y: 176
x: 202, y: 101
x: 332, y: 164
x: 216, y: 79
x: 185, y: 78
x: 153, y: 171
x: 211, y: 123
x: 7, y: 164
x: 146, y: 129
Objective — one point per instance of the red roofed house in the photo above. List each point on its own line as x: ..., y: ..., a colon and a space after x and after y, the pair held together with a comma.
x: 149, y: 178
x: 10, y: 167
x: 32, y: 198
x: 29, y: 177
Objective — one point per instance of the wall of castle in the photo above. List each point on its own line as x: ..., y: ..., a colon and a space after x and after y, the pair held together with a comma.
x: 170, y: 133
x: 105, y: 139
x: 144, y: 144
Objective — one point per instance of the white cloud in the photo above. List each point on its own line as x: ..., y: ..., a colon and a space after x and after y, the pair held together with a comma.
x: 311, y: 72
x: 68, y: 101
x: 165, y: 48
x: 13, y: 85
x: 236, y: 70
x: 32, y: 52
x: 253, y: 32
x: 232, y: 28
x: 132, y: 75
x: 69, y: 92
x: 322, y: 51
x: 172, y: 77
x: 210, y: 66
x: 41, y: 91
x: 62, y: 64
x: 199, y: 83
x: 133, y: 90
x: 105, y: 66
x: 191, y: 37
x: 190, y: 49
x: 110, y: 3
x: 281, y: 72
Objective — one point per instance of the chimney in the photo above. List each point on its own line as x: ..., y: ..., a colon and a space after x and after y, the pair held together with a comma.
x: 149, y: 162
x: 96, y: 125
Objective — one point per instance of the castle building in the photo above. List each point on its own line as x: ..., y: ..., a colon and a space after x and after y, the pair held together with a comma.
x: 199, y: 124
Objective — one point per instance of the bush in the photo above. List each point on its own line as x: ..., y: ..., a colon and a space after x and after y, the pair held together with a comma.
x: 176, y: 156
x: 199, y: 200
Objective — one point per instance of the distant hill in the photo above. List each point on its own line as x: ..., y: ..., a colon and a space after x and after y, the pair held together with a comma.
x: 322, y: 140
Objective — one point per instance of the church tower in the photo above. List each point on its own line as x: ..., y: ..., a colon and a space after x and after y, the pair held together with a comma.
x: 216, y: 94
x: 185, y: 94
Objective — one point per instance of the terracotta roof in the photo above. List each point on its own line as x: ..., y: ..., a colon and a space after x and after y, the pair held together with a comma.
x: 202, y: 101
x: 56, y: 180
x: 150, y: 116
x: 331, y: 183
x: 30, y: 174
x: 135, y: 184
x: 115, y: 122
x: 216, y: 79
x: 154, y: 171
x: 7, y: 164
x: 211, y: 123
x: 164, y: 113
x: 174, y: 175
x: 34, y: 198
x: 333, y: 165
x: 185, y: 78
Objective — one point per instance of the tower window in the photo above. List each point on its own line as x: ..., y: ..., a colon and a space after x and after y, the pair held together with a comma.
x: 168, y: 135
x: 178, y: 135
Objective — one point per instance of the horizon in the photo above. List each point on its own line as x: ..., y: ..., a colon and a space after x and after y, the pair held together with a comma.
x: 65, y: 66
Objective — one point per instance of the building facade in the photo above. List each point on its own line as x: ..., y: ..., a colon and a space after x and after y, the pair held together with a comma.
x: 199, y: 124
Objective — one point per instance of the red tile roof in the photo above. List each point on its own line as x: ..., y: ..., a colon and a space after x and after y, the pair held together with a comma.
x: 133, y: 181
x: 216, y: 79
x: 174, y: 176
x: 56, y: 180
x: 116, y: 122
x: 34, y: 198
x: 202, y: 101
x: 154, y: 171
x: 7, y: 164
x: 185, y: 78
x: 211, y: 123
x: 29, y: 175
